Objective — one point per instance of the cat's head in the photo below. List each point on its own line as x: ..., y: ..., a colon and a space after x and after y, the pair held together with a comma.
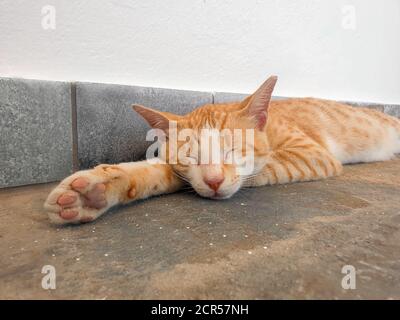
x: 236, y: 147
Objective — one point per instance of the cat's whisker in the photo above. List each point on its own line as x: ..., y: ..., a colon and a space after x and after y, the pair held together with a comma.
x: 181, y: 177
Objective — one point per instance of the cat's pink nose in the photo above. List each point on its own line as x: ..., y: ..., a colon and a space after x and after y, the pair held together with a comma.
x: 214, y: 183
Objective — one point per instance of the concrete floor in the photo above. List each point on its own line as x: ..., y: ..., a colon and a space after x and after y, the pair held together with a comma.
x: 272, y: 242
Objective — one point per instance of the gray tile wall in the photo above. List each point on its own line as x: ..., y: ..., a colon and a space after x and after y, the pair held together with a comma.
x: 46, y: 127
x: 225, y: 97
x: 35, y: 131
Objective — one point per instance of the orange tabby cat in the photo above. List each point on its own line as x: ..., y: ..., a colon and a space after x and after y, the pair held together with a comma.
x: 294, y: 140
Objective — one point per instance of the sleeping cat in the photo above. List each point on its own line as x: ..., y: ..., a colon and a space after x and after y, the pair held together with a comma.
x: 294, y: 140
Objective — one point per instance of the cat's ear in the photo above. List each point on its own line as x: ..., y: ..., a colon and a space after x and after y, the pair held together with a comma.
x: 156, y: 119
x: 257, y: 104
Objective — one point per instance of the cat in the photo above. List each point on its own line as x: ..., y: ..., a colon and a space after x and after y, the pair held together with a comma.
x: 297, y: 139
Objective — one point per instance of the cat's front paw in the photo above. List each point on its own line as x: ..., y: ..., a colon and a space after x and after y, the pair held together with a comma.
x: 79, y: 198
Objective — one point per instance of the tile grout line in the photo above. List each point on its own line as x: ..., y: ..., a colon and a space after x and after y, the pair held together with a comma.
x: 75, y: 162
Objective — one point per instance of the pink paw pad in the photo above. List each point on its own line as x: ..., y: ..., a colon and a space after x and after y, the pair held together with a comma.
x: 96, y: 198
x: 79, y: 183
x: 97, y: 191
x: 66, y: 199
x: 68, y: 214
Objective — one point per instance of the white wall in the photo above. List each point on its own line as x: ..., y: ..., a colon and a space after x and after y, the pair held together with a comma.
x: 216, y: 45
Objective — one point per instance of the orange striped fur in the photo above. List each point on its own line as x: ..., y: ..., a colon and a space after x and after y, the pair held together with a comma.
x: 295, y: 140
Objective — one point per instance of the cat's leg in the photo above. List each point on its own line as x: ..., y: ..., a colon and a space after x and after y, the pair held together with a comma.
x: 306, y: 162
x: 87, y: 194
